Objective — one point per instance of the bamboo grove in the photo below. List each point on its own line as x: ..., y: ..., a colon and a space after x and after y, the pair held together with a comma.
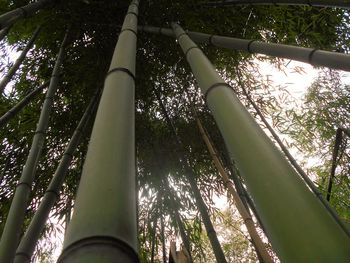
x: 124, y: 120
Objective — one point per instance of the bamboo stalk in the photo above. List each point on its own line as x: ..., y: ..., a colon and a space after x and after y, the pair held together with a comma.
x: 324, y: 3
x: 162, y: 236
x: 314, y: 57
x: 20, y: 105
x: 11, y: 17
x: 29, y: 240
x: 178, y: 220
x: 338, y: 139
x: 293, y: 162
x: 248, y: 221
x: 7, y: 78
x: 295, y: 221
x: 4, y: 32
x: 14, y: 221
x: 103, y: 226
x: 183, y: 161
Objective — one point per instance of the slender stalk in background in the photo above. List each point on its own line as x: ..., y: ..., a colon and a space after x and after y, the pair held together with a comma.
x: 14, y: 221
x: 20, y: 105
x: 7, y: 78
x: 29, y: 240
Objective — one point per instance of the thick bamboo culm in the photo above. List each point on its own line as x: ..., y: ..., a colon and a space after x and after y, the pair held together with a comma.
x: 15, y: 217
x: 295, y: 164
x: 7, y: 78
x: 103, y: 226
x: 248, y: 221
x: 283, y: 200
x: 314, y: 57
x: 190, y: 175
x: 325, y: 3
x: 11, y: 17
x: 20, y: 105
x: 29, y: 240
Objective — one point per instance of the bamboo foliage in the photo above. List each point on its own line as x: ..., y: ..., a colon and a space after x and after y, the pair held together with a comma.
x: 248, y: 221
x: 7, y: 78
x: 281, y: 197
x: 314, y: 57
x: 27, y: 245
x: 103, y: 226
x: 20, y: 105
x: 218, y: 252
x: 11, y: 17
x: 12, y: 229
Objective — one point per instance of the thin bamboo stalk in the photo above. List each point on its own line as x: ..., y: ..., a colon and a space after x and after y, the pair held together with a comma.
x: 295, y: 164
x: 248, y: 221
x: 11, y: 17
x: 20, y: 105
x: 324, y: 3
x: 7, y: 163
x: 29, y: 240
x: 178, y: 220
x: 7, y: 78
x: 103, y: 226
x: 153, y: 241
x: 338, y: 139
x: 183, y: 160
x: 162, y: 235
x: 295, y: 221
x: 314, y: 57
x: 4, y: 32
x: 14, y: 221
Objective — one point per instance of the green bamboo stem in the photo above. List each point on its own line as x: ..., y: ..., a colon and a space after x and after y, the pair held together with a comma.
x: 4, y: 32
x: 29, y: 240
x: 296, y: 222
x: 20, y: 105
x: 295, y: 163
x: 248, y: 221
x: 103, y: 226
x: 14, y: 221
x: 314, y: 57
x: 11, y: 17
x: 7, y: 78
x: 183, y: 160
x: 323, y: 3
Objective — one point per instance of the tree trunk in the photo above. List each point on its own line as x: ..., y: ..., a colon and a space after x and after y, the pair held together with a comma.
x: 20, y: 105
x: 294, y: 219
x: 27, y: 245
x: 103, y: 227
x: 314, y: 57
x: 18, y: 62
x: 14, y: 221
x: 248, y: 221
x: 324, y: 3
x: 162, y: 235
x: 11, y: 17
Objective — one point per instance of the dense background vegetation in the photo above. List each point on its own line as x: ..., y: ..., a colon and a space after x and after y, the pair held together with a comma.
x: 94, y: 27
